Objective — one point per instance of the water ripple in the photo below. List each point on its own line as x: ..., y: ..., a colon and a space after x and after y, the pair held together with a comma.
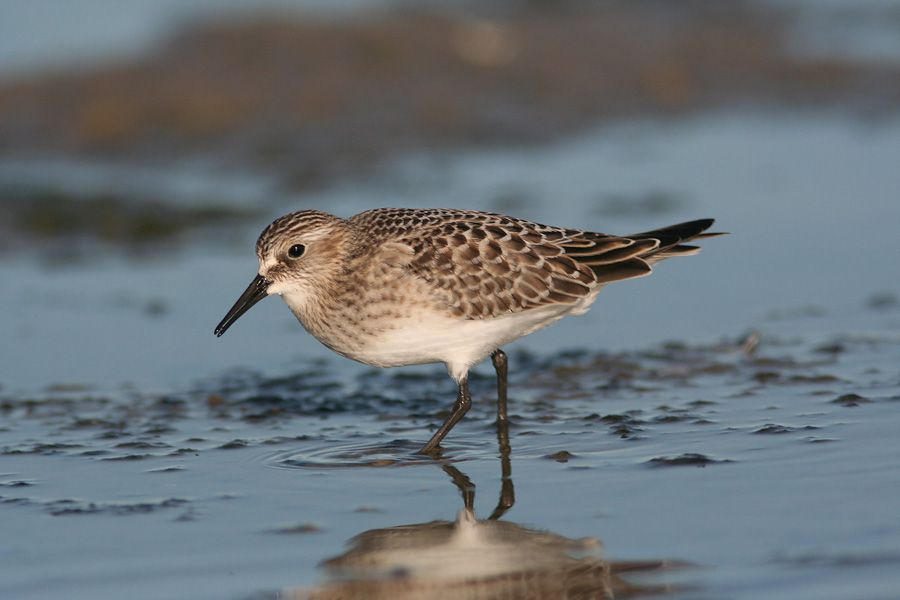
x: 368, y: 452
x: 328, y: 454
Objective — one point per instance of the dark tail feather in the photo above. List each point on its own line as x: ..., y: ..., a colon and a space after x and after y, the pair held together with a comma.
x: 671, y: 238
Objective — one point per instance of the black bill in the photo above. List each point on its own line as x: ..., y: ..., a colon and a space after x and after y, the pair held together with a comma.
x: 255, y: 292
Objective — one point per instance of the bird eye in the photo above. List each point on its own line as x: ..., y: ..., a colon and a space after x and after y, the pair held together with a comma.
x: 296, y: 251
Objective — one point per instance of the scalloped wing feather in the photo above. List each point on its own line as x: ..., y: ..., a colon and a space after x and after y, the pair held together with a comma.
x: 485, y: 265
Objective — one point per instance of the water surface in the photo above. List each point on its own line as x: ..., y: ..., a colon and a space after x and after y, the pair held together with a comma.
x: 737, y: 410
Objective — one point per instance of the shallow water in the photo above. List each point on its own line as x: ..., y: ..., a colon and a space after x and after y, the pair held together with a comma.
x: 809, y: 198
x: 775, y: 470
x: 153, y: 460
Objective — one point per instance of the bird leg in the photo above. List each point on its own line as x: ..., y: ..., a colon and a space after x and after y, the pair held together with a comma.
x: 500, y: 365
x: 507, y: 492
x: 464, y: 402
x: 460, y: 408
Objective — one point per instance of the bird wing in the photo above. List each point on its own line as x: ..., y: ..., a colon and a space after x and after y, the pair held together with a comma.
x: 485, y: 265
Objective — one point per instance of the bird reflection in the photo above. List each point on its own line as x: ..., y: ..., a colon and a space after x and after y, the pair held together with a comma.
x: 475, y: 559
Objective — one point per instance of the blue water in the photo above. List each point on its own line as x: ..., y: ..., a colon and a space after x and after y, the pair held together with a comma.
x: 108, y: 488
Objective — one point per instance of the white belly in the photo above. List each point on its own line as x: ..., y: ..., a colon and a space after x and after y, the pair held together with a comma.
x: 459, y: 343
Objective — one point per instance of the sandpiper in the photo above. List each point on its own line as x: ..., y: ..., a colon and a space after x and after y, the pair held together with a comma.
x: 395, y: 286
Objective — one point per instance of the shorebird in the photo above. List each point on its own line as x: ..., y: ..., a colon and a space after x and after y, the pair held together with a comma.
x: 395, y: 286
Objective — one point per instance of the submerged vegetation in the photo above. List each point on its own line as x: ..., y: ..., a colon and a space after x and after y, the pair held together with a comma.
x: 51, y: 219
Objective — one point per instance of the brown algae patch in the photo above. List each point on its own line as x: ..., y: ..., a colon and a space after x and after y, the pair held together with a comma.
x: 52, y: 218
x: 689, y: 459
x: 323, y: 418
x: 59, y: 508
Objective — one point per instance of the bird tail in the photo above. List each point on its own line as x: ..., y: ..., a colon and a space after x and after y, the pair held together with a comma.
x: 671, y: 239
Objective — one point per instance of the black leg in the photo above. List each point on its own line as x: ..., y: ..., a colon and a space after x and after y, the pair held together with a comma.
x: 507, y: 492
x: 501, y: 364
x: 460, y: 408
